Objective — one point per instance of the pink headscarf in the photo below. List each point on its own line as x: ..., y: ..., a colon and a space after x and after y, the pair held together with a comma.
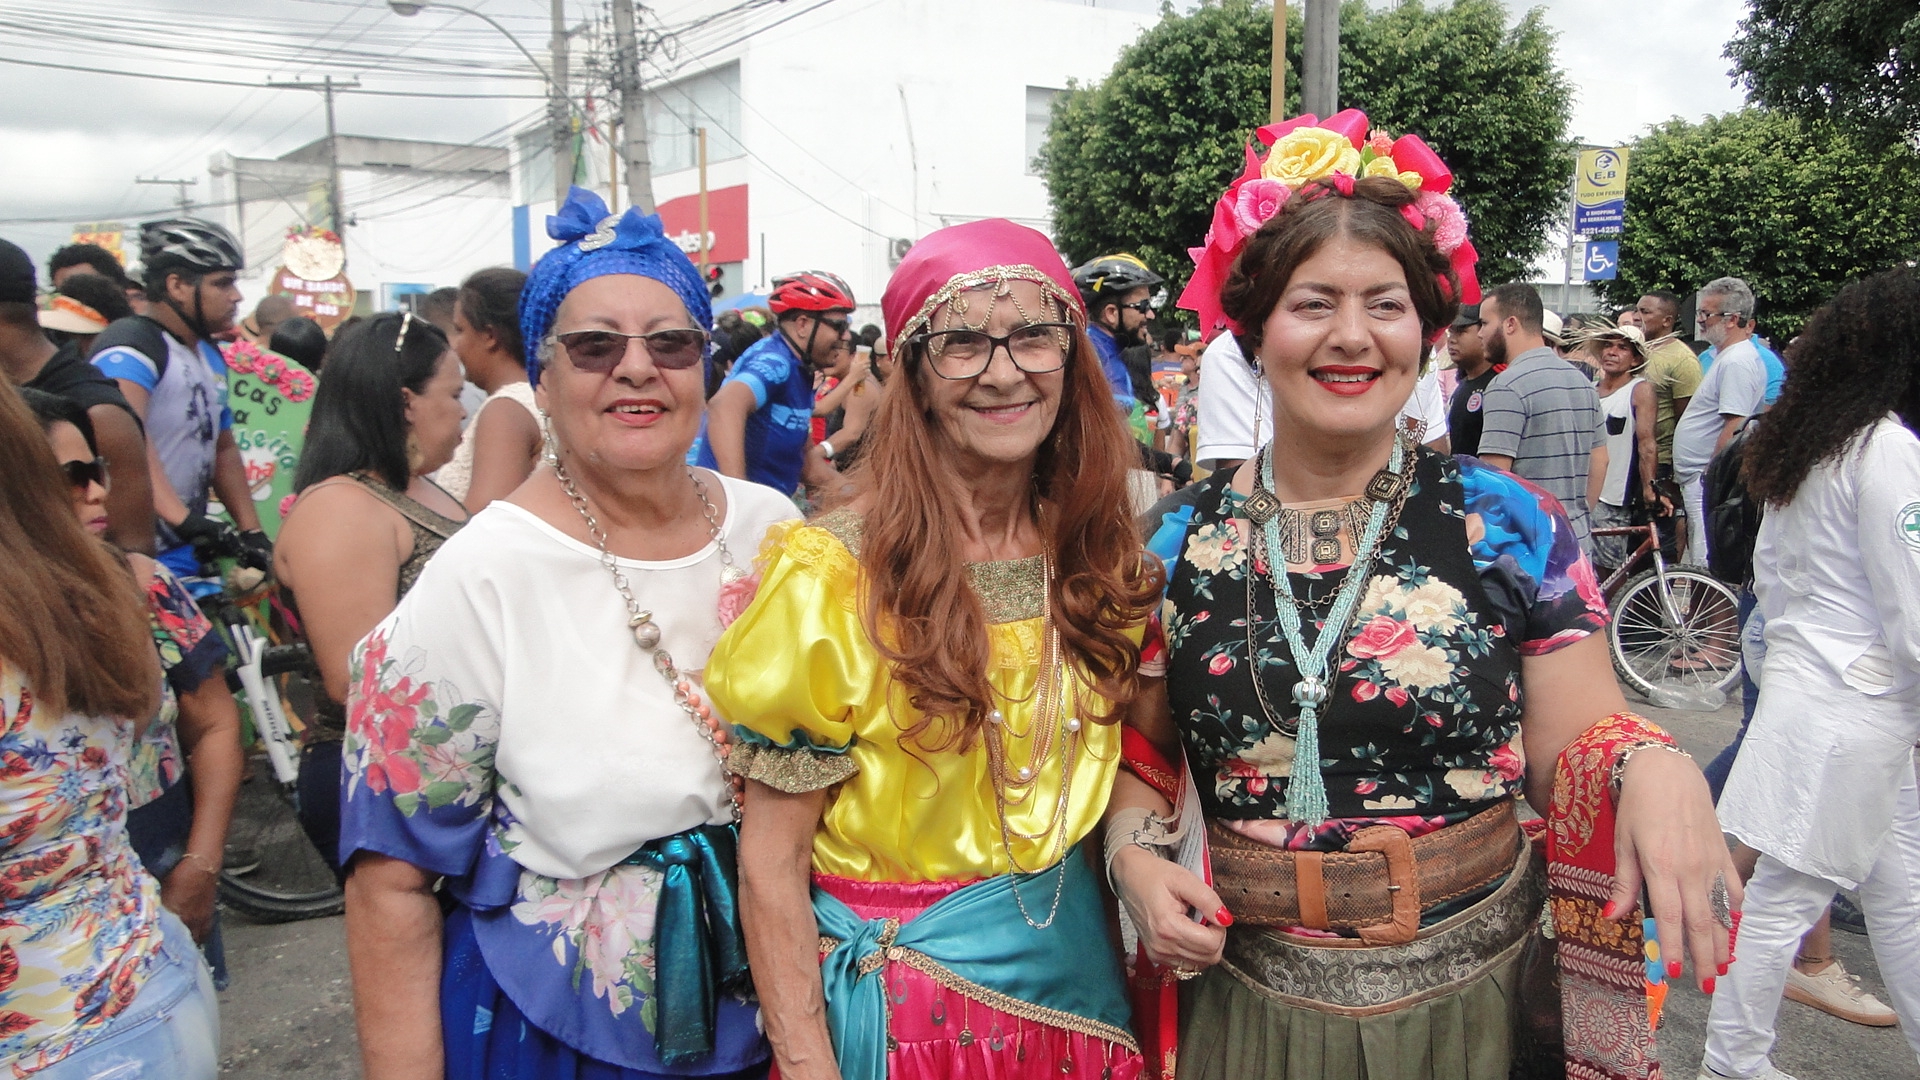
x: 963, y: 257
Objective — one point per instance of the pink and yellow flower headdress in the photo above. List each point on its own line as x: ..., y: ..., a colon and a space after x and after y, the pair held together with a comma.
x: 1337, y: 150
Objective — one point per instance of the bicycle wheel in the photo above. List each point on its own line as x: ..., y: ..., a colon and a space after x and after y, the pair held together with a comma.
x: 1699, y: 651
x: 290, y: 881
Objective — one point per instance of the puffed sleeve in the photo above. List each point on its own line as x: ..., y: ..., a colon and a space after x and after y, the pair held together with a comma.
x: 1530, y: 563
x: 792, y: 672
x: 423, y: 724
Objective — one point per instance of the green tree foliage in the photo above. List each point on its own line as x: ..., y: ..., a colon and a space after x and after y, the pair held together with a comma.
x: 1136, y: 162
x: 1796, y: 207
x: 1854, y: 61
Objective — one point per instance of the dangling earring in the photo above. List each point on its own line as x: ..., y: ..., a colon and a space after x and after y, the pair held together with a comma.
x: 1260, y: 392
x: 549, y: 449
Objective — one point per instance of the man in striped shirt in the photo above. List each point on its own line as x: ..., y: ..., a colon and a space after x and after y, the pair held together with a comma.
x: 1541, y: 415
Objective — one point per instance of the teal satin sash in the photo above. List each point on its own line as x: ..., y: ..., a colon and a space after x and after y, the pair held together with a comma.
x: 976, y: 933
x: 697, y: 945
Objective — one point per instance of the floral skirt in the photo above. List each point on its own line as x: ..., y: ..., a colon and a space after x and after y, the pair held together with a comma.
x: 937, y: 1033
x: 487, y: 1038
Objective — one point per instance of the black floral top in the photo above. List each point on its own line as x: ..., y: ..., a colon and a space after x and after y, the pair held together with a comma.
x: 1423, y: 726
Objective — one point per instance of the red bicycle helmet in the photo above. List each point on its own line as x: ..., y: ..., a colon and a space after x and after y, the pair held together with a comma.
x: 810, y: 290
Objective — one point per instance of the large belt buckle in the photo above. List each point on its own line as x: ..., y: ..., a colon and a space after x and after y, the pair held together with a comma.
x: 1403, y: 884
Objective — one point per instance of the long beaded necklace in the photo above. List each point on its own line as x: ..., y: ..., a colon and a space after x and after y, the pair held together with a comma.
x: 646, y: 632
x: 1053, y: 697
x: 1387, y: 491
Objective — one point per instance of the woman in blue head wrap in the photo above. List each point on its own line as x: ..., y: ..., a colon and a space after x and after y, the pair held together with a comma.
x: 529, y: 724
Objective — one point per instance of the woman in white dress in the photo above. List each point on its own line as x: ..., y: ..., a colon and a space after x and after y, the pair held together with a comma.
x: 1824, y: 784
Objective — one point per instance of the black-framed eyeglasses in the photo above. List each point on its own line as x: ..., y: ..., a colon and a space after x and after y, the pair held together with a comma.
x: 1037, y: 349
x: 600, y: 351
x: 1709, y: 316
x: 80, y: 474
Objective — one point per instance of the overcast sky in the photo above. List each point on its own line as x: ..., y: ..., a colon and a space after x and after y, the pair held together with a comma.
x: 74, y: 142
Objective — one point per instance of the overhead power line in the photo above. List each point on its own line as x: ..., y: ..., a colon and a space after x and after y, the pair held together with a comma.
x: 263, y: 86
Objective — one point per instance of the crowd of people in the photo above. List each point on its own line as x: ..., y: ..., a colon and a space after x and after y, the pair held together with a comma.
x: 980, y: 693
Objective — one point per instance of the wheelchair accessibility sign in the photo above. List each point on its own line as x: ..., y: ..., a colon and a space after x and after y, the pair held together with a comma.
x: 1603, y: 260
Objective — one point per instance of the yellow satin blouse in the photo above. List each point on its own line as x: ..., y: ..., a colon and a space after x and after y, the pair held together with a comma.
x: 814, y: 706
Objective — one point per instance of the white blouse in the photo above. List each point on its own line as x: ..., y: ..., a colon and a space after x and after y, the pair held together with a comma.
x: 593, y: 757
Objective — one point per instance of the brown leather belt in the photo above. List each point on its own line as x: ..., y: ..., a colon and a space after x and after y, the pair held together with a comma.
x: 1377, y: 887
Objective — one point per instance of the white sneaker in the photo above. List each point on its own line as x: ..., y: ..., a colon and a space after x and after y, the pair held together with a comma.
x: 1838, y: 993
x: 1770, y: 1073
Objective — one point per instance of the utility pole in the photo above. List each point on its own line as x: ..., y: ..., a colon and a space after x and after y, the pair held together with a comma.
x: 633, y: 107
x: 1277, y: 110
x: 701, y: 135
x: 1320, y: 81
x: 336, y: 206
x: 181, y: 187
x: 559, y: 112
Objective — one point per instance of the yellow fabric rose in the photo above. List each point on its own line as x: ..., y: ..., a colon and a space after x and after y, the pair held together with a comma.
x: 1308, y: 154
x: 1413, y: 180
x: 1383, y: 166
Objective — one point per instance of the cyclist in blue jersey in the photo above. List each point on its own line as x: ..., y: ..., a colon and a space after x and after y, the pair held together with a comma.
x: 171, y: 371
x: 1118, y: 290
x: 757, y: 423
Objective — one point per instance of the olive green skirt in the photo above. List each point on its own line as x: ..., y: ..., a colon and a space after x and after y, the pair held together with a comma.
x: 1443, y: 1007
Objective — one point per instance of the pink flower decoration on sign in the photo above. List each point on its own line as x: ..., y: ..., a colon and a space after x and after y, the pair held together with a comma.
x: 1257, y: 202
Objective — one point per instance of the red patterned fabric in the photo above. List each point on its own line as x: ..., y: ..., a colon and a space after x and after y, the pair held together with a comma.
x: 1152, y: 988
x: 1603, y: 989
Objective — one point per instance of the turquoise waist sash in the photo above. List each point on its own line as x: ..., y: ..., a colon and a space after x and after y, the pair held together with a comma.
x: 976, y: 942
x: 697, y: 946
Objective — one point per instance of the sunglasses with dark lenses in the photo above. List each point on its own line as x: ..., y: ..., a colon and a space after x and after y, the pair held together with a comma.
x: 80, y: 474
x: 1144, y: 307
x: 838, y: 326
x: 600, y: 351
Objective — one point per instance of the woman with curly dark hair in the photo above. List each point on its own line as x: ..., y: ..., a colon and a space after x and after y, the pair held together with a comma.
x: 1824, y: 784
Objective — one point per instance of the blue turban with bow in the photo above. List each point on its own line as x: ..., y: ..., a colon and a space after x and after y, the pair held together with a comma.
x: 595, y: 242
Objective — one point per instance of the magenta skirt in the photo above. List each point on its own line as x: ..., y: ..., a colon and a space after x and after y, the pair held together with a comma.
x: 938, y: 1033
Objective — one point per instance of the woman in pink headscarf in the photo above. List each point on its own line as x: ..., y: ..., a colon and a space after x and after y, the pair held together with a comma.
x: 927, y: 693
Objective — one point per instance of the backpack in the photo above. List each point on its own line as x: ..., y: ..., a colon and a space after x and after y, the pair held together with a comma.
x: 139, y: 333
x: 1733, y: 515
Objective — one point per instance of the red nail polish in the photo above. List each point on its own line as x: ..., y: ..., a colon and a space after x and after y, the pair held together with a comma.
x: 1707, y: 984
x: 1673, y: 969
x: 1723, y: 967
x: 1223, y: 917
x: 1611, y: 911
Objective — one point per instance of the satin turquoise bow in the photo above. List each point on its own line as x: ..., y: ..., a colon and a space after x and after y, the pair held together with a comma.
x: 697, y: 945
x: 977, y: 934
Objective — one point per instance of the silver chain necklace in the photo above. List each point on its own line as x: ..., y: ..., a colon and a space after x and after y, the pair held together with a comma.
x: 646, y: 632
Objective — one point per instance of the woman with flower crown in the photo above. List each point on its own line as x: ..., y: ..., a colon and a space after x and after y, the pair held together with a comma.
x: 928, y: 691
x: 1372, y: 650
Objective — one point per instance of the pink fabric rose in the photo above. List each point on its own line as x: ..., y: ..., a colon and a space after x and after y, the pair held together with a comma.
x: 1449, y: 223
x: 1364, y: 691
x: 1220, y: 664
x: 1381, y: 637
x: 1257, y: 202
x: 1397, y: 695
x: 735, y: 596
x: 1506, y: 761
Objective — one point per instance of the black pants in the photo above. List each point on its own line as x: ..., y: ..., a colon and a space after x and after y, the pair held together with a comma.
x: 318, y: 788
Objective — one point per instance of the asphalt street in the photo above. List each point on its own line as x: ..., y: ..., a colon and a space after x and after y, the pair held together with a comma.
x: 289, y: 1013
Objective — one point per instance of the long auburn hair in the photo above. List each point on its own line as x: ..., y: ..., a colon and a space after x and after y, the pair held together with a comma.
x: 71, y: 619
x: 918, y: 612
x: 1857, y: 360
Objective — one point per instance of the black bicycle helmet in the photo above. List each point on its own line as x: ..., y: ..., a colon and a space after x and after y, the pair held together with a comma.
x: 186, y: 244
x: 1112, y: 276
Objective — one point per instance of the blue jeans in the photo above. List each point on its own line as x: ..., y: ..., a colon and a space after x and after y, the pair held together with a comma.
x: 1722, y: 763
x: 171, y: 1031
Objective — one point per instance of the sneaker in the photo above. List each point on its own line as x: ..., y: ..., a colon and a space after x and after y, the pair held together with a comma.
x: 1838, y: 993
x: 1847, y: 915
x: 1769, y: 1073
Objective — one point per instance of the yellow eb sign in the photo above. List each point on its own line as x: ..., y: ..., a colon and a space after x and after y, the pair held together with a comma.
x: 1600, y: 191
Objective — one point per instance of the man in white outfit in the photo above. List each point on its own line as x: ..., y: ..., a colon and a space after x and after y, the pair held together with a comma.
x: 1733, y: 390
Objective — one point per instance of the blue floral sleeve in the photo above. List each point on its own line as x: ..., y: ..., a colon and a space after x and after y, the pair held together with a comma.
x: 422, y: 727
x: 1529, y: 560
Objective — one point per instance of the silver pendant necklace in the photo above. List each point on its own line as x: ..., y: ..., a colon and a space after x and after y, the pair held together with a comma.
x: 646, y: 632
